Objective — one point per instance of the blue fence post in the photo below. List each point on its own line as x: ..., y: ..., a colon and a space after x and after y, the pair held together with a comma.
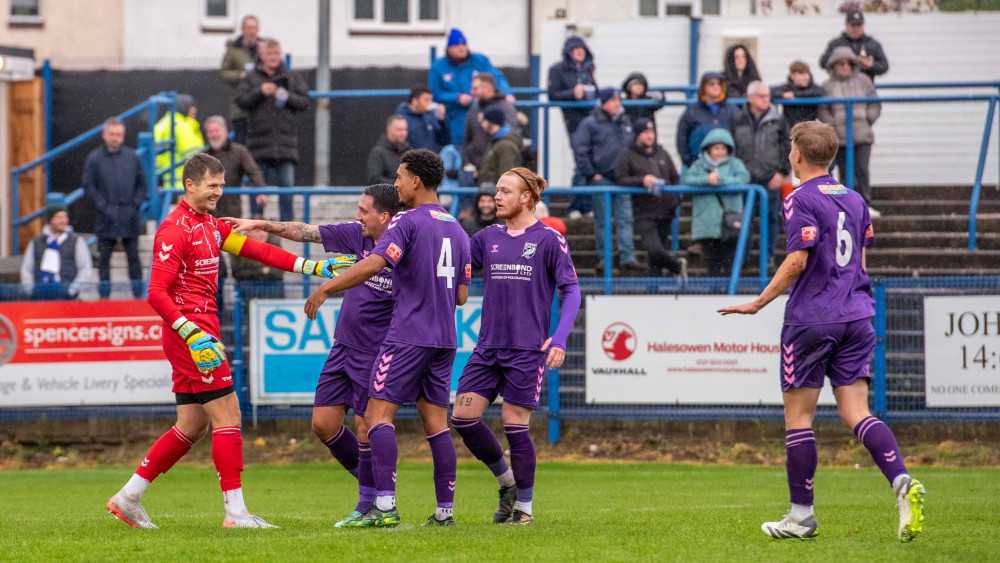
x: 608, y: 257
x: 555, y: 424
x: 434, y: 55
x: 238, y: 379
x: 849, y: 149
x: 15, y: 211
x: 675, y: 230
x: 693, y: 39
x: 535, y: 71
x: 880, y: 350
x: 977, y: 186
x: 545, y: 141
x: 765, y: 237
x: 147, y: 146
x: 47, y: 78
x: 741, y: 243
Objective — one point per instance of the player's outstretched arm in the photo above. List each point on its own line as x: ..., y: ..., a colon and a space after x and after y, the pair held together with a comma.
x: 298, y: 232
x: 276, y: 257
x: 786, y: 275
x: 353, y: 277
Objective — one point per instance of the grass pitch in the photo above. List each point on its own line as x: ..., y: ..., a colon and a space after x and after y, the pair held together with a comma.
x: 584, y: 512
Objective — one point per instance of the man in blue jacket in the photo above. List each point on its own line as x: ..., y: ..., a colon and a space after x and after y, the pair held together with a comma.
x: 450, y: 79
x: 425, y: 125
x: 572, y: 80
x: 711, y: 111
x: 114, y: 179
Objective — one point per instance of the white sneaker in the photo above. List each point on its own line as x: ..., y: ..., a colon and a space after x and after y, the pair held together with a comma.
x: 910, y: 502
x: 574, y: 215
x: 129, y: 511
x: 788, y: 528
x: 245, y: 521
x: 874, y: 213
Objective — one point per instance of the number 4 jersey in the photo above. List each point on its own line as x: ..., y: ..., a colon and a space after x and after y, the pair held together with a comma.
x: 833, y: 223
x: 429, y: 255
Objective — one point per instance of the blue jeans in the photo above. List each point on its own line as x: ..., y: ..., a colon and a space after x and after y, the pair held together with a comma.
x: 581, y: 203
x: 621, y: 212
x: 277, y: 172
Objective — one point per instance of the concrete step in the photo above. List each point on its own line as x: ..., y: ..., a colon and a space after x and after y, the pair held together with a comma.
x: 939, y: 258
x: 985, y: 223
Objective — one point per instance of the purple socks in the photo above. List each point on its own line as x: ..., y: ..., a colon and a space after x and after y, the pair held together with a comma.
x: 445, y: 467
x: 800, y: 464
x: 344, y: 447
x: 366, y: 479
x: 881, y: 444
x: 385, y: 452
x: 482, y: 443
x: 522, y: 459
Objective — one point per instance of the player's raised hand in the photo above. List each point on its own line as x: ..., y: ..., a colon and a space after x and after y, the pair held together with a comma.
x: 330, y: 268
x: 314, y: 302
x: 244, y: 225
x: 206, y: 350
x: 556, y: 355
x: 744, y: 309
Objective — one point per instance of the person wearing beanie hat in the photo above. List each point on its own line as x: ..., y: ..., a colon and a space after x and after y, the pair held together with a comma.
x: 504, y: 150
x: 605, y: 94
x: 450, y: 80
x: 57, y: 263
x: 187, y: 136
x: 645, y: 164
x: 635, y: 87
x: 871, y: 57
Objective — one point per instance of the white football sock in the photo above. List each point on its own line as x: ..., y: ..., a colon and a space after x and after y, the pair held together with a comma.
x: 385, y: 503
x: 506, y: 479
x: 524, y: 507
x: 801, y: 511
x: 135, y: 487
x: 234, y: 502
x: 898, y: 481
x: 442, y: 513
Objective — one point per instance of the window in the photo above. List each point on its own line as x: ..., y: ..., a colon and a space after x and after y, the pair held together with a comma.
x: 397, y: 16
x: 219, y: 16
x: 711, y: 7
x: 679, y: 10
x: 648, y: 8
x: 25, y: 11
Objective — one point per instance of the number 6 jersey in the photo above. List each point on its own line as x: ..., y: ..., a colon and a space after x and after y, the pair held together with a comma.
x: 429, y: 255
x: 833, y: 222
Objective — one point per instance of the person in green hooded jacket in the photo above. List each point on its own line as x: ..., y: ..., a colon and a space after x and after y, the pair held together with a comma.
x: 715, y: 166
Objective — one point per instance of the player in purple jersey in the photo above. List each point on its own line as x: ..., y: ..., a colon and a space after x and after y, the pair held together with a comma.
x: 828, y: 331
x: 361, y: 325
x: 429, y: 255
x: 523, y: 263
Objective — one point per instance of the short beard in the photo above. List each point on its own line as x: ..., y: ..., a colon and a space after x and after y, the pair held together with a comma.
x: 514, y: 212
x: 217, y: 146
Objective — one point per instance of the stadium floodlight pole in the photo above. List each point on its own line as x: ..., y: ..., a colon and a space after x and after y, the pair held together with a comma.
x: 322, y: 167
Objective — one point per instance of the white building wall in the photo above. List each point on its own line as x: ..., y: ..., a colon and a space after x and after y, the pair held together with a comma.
x: 916, y: 143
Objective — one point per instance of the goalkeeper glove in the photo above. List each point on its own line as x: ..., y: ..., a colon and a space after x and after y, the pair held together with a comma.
x: 206, y: 350
x: 331, y: 268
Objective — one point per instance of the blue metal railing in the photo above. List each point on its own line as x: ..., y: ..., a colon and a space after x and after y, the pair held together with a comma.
x: 146, y: 151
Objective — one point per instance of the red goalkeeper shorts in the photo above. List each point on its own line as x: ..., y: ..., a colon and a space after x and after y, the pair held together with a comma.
x: 186, y: 377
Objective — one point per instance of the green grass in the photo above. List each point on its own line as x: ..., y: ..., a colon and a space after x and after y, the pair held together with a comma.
x: 584, y: 512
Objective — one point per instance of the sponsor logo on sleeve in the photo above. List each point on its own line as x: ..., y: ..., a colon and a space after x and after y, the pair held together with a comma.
x: 808, y: 234
x: 870, y: 233
x: 832, y: 189
x: 468, y: 271
x: 394, y: 251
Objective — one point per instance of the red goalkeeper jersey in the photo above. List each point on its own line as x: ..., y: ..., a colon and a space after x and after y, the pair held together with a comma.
x: 184, y: 276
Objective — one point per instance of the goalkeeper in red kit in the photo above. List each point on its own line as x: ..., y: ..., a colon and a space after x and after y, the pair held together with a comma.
x: 182, y: 288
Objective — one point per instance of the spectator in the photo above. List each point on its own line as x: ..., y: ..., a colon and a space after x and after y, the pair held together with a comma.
x: 645, y: 164
x: 255, y: 280
x: 871, y: 57
x: 504, y: 151
x: 484, y: 215
x: 636, y: 87
x: 740, y: 71
x: 187, y: 137
x: 572, y: 80
x: 383, y: 159
x: 425, y: 120
x: 114, y: 179
x: 542, y: 214
x: 709, y: 112
x: 763, y: 143
x: 272, y: 95
x: 240, y: 59
x: 238, y: 164
x: 597, y: 143
x: 450, y: 79
x: 846, y: 81
x: 715, y: 166
x: 57, y: 263
x: 799, y: 85
x: 452, y: 160
x: 475, y: 141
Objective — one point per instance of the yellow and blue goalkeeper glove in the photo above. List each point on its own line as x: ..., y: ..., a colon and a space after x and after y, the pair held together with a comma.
x: 206, y: 350
x: 332, y: 266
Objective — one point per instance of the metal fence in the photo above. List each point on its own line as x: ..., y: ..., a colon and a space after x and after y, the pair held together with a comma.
x: 897, y: 392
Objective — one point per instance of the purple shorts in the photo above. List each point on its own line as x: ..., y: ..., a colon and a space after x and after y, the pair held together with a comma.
x: 840, y: 351
x: 403, y: 373
x: 517, y: 375
x: 344, y: 379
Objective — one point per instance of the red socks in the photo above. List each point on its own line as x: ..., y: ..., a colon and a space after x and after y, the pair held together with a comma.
x: 164, y: 454
x: 227, y: 453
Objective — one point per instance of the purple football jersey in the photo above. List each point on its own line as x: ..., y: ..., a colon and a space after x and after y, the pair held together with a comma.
x: 429, y: 255
x: 834, y: 223
x: 367, y: 309
x: 520, y: 275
